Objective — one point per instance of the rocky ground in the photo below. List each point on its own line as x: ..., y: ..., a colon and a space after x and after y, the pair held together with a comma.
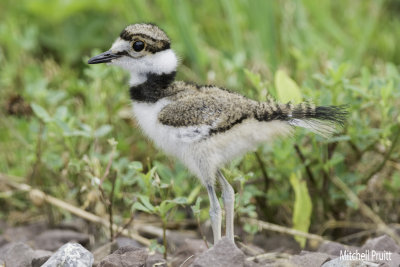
x: 68, y: 245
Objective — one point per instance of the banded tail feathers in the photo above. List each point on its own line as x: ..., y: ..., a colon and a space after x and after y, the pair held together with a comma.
x: 322, y: 120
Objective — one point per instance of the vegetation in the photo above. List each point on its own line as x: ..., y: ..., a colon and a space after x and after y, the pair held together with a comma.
x: 65, y: 126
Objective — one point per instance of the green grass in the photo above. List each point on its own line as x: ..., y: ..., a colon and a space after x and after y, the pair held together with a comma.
x: 337, y: 52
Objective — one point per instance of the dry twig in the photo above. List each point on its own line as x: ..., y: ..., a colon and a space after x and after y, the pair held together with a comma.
x: 367, y: 211
x: 332, y: 224
x: 269, y: 255
x: 347, y: 238
x: 40, y: 195
x: 387, y: 156
x: 281, y: 229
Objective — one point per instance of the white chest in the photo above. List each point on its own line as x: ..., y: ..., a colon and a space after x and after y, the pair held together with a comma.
x: 146, y: 115
x: 175, y: 141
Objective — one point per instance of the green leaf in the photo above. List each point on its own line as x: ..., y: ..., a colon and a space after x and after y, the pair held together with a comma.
x: 103, y: 130
x: 165, y: 206
x: 139, y: 206
x: 254, y: 78
x: 61, y: 113
x: 396, y: 181
x: 136, y: 165
x: 302, y: 207
x: 41, y: 113
x: 146, y: 202
x: 180, y: 200
x: 195, y: 192
x: 77, y: 133
x: 86, y: 128
x: 196, y: 207
x: 250, y: 228
x: 154, y: 246
x: 66, y: 130
x: 287, y: 89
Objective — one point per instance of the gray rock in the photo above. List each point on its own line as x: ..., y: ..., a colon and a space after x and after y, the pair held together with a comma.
x: 176, y: 239
x: 279, y: 243
x: 24, y: 233
x: 223, y: 253
x: 381, y: 243
x: 125, y: 257
x: 54, y: 239
x: 187, y: 252
x: 331, y: 248
x: 3, y: 226
x: 270, y: 259
x: 274, y: 263
x: 40, y: 257
x: 370, y: 257
x: 307, y: 259
x: 155, y: 259
x: 346, y: 263
x: 250, y: 249
x: 70, y: 255
x: 103, y: 251
x: 126, y: 241
x: 3, y: 241
x: 16, y: 254
x: 394, y: 260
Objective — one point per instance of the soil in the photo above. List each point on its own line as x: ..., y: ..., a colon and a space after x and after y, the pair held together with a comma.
x: 74, y: 244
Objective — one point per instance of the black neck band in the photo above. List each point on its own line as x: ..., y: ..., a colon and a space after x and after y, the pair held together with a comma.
x: 154, y: 88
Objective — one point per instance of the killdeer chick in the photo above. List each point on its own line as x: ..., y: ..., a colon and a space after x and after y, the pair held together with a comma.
x: 203, y: 126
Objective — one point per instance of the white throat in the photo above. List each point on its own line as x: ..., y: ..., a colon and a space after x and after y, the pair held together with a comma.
x: 158, y: 63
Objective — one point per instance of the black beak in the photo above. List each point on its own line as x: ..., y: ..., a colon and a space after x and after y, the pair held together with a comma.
x: 103, y: 58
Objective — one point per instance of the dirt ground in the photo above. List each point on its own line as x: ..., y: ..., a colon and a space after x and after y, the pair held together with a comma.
x: 74, y: 244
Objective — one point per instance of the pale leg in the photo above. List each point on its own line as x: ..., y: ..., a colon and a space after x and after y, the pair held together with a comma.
x: 215, y: 213
x: 228, y: 196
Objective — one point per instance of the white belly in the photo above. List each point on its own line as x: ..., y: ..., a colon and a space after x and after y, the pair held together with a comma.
x: 174, y: 141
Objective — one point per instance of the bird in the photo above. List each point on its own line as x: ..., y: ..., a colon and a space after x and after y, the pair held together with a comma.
x: 204, y: 126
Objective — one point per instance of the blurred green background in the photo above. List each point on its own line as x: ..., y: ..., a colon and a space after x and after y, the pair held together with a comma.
x: 58, y: 114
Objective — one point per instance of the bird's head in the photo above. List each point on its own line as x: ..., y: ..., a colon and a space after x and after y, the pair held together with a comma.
x: 141, y: 49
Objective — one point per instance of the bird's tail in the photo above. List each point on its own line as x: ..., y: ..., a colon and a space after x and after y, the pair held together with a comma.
x: 322, y: 120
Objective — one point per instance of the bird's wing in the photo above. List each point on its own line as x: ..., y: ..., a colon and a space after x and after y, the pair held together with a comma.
x: 200, y: 115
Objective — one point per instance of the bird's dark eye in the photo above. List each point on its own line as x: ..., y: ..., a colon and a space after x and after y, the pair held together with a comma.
x: 138, y: 46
